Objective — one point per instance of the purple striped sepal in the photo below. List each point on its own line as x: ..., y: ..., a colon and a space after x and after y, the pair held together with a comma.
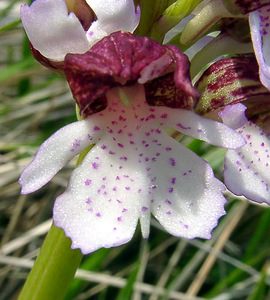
x: 229, y: 81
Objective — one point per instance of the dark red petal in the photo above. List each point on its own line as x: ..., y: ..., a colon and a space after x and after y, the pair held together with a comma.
x: 229, y: 81
x: 117, y: 60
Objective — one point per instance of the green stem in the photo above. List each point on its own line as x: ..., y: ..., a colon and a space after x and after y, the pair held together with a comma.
x: 53, y: 270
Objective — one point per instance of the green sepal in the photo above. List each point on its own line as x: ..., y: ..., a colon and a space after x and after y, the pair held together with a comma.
x: 172, y: 16
x: 151, y: 10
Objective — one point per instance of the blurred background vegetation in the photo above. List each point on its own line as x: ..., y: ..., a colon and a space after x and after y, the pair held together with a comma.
x: 34, y: 103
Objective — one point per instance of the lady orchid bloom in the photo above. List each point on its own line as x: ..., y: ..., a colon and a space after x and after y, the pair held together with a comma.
x: 224, y: 85
x: 74, y: 26
x: 258, y: 13
x: 130, y: 90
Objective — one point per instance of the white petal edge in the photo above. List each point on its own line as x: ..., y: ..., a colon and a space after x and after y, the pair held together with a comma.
x: 56, y: 151
x: 101, y: 206
x: 112, y: 16
x: 192, y: 124
x: 52, y: 30
x: 188, y: 200
x: 246, y: 170
x: 260, y: 36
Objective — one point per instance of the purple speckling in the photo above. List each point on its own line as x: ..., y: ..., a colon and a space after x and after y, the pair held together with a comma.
x: 124, y: 210
x: 144, y: 209
x: 168, y: 212
x: 95, y: 165
x: 173, y: 180
x: 172, y: 162
x: 119, y: 219
x: 120, y: 145
x: 96, y: 128
x: 127, y: 188
x: 167, y: 201
x: 180, y: 125
x: 117, y: 178
x: 88, y: 201
x: 170, y: 190
x: 98, y: 214
x: 88, y: 182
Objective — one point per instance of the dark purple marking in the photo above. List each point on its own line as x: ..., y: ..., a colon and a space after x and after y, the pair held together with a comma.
x: 172, y: 162
x: 95, y: 165
x: 98, y: 214
x: 180, y: 125
x: 167, y: 201
x: 88, y: 182
x: 144, y: 209
x: 96, y: 128
x: 119, y: 219
x: 88, y: 201
x: 170, y: 190
x: 173, y: 180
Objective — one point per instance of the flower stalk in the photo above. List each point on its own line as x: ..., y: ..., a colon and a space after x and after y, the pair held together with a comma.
x: 53, y: 270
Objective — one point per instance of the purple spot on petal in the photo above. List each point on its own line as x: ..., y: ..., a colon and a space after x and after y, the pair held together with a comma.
x: 172, y: 162
x: 96, y: 128
x: 95, y: 165
x: 173, y: 180
x: 88, y: 182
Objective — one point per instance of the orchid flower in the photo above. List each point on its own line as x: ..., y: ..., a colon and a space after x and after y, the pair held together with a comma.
x: 246, y: 170
x: 224, y: 85
x: 208, y: 13
x: 130, y: 90
x: 58, y: 27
